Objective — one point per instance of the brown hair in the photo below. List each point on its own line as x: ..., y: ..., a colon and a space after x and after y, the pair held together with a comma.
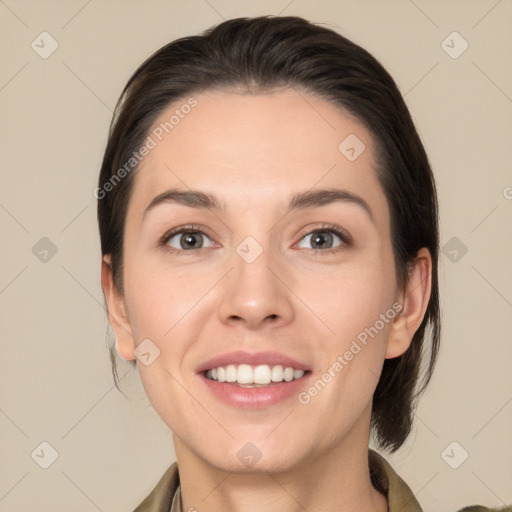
x: 260, y: 54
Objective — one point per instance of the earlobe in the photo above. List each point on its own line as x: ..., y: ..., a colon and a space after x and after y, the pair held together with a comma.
x: 116, y: 312
x: 414, y: 300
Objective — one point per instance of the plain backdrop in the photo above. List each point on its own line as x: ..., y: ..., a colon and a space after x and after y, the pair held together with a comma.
x: 108, y: 451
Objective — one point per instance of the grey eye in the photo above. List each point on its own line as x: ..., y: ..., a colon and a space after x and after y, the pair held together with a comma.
x: 321, y: 239
x: 188, y: 240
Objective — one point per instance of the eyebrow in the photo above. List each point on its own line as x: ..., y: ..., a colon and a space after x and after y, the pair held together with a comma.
x: 299, y: 201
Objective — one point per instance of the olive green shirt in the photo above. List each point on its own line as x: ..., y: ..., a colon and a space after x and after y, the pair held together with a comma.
x: 166, y: 496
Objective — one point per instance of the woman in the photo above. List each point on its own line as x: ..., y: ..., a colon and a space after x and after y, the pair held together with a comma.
x: 268, y: 221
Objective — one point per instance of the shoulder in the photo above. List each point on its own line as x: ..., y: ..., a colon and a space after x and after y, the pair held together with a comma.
x: 400, y: 497
x: 160, y: 498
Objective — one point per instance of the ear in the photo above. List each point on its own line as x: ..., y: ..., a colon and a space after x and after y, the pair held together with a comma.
x: 414, y: 300
x: 116, y: 312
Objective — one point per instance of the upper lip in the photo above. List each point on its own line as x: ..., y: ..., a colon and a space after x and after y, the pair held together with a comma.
x: 253, y: 359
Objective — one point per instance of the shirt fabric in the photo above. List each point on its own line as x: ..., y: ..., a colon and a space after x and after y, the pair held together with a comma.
x: 166, y: 496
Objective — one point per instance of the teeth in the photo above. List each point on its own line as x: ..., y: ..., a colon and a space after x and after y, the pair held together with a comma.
x: 277, y: 373
x: 252, y: 376
x: 231, y: 373
x: 288, y: 374
x: 262, y: 374
x: 244, y: 374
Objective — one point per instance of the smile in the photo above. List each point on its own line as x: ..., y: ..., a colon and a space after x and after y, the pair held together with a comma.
x: 254, y: 376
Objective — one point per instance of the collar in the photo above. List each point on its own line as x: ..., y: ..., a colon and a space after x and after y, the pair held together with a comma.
x: 166, y: 496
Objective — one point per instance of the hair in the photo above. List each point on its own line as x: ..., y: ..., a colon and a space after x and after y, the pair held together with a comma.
x: 262, y: 54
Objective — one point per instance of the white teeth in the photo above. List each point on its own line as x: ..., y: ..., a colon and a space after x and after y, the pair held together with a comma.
x: 231, y: 373
x: 247, y: 375
x: 244, y: 374
x: 297, y: 374
x: 288, y: 374
x: 277, y: 373
x: 262, y: 374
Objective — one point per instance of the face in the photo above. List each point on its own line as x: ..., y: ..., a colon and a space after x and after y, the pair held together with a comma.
x: 269, y: 274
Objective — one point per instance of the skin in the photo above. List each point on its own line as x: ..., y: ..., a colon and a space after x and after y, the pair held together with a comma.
x: 253, y: 151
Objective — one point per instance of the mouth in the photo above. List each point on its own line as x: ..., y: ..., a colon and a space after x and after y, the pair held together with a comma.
x: 244, y: 380
x: 248, y: 376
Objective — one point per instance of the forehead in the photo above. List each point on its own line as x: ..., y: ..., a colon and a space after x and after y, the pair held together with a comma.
x: 256, y: 148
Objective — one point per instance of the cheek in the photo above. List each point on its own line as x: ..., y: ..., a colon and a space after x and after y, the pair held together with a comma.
x: 350, y: 299
x: 355, y: 306
x: 170, y: 308
x: 162, y: 307
x: 360, y: 312
x: 157, y: 298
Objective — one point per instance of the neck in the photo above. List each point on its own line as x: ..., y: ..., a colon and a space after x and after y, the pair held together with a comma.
x: 338, y: 480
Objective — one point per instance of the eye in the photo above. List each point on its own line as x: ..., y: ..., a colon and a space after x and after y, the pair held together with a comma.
x: 324, y: 239
x: 186, y: 239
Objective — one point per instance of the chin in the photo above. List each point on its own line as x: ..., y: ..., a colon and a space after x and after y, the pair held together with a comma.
x: 247, y: 458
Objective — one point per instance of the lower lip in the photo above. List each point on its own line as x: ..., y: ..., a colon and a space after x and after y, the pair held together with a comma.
x: 255, y: 398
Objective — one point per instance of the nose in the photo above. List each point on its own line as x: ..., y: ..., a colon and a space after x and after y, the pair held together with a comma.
x: 255, y: 294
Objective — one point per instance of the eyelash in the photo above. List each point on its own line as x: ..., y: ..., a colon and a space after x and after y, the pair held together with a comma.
x: 346, y: 239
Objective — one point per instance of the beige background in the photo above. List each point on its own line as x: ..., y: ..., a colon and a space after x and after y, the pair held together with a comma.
x: 55, y: 376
